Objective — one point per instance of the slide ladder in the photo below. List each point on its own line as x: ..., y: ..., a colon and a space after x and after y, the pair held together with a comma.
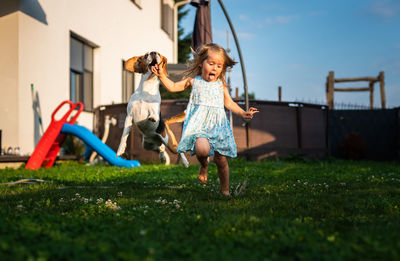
x: 49, y: 145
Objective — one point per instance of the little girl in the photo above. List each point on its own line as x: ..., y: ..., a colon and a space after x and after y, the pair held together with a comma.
x: 206, y: 130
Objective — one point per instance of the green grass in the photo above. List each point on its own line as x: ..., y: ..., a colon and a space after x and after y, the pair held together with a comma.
x: 288, y: 210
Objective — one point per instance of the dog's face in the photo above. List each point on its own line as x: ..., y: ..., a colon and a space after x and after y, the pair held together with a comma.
x: 143, y: 64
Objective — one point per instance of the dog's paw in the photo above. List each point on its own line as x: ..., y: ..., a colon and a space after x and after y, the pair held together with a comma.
x: 161, y: 155
x: 184, y: 160
x: 164, y: 158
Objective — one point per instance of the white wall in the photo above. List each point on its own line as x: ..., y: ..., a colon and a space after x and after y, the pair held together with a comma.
x: 9, y: 79
x: 118, y: 27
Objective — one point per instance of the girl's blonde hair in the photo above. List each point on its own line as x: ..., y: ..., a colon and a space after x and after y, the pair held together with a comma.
x: 194, y: 66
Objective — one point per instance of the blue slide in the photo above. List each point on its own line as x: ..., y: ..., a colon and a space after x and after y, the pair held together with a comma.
x: 97, y: 145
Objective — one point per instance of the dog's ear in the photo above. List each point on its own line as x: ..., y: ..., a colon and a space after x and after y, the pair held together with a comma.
x: 164, y: 64
x: 135, y: 64
x: 130, y: 64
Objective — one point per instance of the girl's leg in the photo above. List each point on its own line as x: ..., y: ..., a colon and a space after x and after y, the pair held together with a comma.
x: 223, y: 172
x: 202, y: 148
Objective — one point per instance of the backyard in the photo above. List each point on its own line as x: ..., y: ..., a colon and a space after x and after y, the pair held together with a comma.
x: 294, y: 209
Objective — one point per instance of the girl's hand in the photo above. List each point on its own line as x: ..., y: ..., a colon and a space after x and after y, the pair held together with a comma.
x: 248, y: 115
x: 157, y: 70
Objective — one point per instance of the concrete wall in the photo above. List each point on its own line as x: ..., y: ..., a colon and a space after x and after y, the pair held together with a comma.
x: 9, y: 109
x: 35, y: 46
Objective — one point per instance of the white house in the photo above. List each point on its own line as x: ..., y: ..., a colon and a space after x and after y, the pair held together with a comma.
x: 73, y: 50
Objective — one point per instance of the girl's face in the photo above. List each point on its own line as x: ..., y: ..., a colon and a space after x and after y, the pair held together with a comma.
x: 212, y: 67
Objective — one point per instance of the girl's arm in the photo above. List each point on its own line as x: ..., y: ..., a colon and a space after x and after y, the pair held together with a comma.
x: 170, y: 85
x: 235, y: 108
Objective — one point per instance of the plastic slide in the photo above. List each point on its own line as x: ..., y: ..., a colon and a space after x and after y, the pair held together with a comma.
x: 48, y: 146
x: 55, y: 148
x: 95, y: 143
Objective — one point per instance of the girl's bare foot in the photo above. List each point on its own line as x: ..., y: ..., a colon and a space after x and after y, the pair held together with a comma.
x: 202, y: 175
x: 225, y: 193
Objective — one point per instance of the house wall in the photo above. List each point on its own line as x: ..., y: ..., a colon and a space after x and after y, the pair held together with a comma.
x: 9, y: 79
x: 41, y: 31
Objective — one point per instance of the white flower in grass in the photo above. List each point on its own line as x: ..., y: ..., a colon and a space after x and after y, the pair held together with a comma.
x: 142, y: 232
x: 112, y: 205
x: 19, y: 207
x: 85, y: 200
x: 99, y: 200
x: 61, y: 200
x: 120, y: 194
x: 77, y: 195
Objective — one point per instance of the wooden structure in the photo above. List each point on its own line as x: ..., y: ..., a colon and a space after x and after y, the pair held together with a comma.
x: 330, y: 88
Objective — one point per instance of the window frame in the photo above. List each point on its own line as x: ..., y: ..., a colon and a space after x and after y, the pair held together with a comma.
x: 168, y: 28
x: 81, y: 94
x: 126, y: 93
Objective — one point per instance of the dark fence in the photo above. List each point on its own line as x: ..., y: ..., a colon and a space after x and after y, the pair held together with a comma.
x: 364, y: 134
x: 279, y: 130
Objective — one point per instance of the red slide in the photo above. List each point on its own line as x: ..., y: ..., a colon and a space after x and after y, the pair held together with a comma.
x: 49, y: 145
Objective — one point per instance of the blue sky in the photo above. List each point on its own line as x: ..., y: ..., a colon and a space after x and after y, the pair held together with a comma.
x: 294, y: 44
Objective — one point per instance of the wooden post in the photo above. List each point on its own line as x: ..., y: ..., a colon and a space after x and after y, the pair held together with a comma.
x: 329, y: 90
x: 279, y: 93
x: 237, y: 93
x: 381, y: 78
x: 371, y: 94
x: 299, y: 127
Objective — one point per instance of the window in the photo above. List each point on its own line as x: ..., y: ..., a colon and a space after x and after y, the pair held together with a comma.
x: 128, y: 83
x: 167, y: 18
x: 81, y: 72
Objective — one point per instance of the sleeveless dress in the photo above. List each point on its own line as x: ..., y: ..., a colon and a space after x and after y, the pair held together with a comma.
x: 206, y: 118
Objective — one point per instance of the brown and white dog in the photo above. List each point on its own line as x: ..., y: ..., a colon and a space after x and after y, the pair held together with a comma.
x: 144, y: 110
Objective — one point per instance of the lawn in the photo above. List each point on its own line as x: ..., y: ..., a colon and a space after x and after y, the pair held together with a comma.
x: 279, y: 210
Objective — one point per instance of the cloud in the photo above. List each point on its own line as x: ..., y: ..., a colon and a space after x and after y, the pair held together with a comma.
x: 246, y: 35
x: 384, y: 9
x: 243, y: 17
x: 281, y: 19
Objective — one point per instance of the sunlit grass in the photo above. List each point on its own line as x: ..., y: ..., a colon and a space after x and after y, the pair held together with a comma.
x: 325, y: 210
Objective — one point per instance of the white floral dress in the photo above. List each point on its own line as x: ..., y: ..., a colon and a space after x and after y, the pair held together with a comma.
x: 206, y: 117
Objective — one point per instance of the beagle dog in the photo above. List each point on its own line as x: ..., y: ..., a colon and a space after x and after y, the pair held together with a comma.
x: 143, y: 110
